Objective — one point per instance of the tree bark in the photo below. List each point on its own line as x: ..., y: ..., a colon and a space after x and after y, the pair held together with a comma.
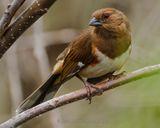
x: 23, y: 22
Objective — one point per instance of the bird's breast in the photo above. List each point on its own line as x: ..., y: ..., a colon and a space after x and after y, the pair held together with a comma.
x: 104, y: 64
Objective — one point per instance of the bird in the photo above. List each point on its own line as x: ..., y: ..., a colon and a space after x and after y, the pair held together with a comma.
x: 101, y: 49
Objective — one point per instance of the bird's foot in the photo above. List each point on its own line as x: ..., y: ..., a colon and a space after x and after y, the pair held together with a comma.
x: 89, y: 92
x: 88, y: 87
x: 112, y: 77
x: 117, y: 76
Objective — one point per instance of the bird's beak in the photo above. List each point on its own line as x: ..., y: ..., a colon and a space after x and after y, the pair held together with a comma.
x: 95, y: 22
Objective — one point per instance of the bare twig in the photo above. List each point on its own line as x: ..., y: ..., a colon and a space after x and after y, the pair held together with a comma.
x: 24, y: 21
x: 78, y: 95
x: 8, y: 14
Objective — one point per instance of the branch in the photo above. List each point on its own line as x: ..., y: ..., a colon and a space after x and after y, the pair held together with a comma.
x: 78, y: 95
x: 8, y: 14
x: 23, y: 22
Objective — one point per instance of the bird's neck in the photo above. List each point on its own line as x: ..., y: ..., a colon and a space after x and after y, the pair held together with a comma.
x: 110, y: 43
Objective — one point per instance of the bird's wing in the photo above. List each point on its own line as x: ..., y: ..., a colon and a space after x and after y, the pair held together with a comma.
x: 63, y: 54
x: 78, y: 55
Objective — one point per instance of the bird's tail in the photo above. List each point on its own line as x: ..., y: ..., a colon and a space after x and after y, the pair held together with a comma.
x: 42, y: 94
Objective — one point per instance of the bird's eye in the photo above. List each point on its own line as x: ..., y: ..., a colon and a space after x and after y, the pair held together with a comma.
x: 106, y: 15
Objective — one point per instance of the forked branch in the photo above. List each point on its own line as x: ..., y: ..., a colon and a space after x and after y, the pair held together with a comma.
x: 8, y: 14
x: 22, y: 23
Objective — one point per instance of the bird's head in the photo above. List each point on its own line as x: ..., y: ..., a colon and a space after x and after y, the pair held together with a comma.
x: 110, y: 19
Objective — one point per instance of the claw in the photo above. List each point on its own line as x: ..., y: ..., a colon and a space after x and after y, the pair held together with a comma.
x: 89, y: 96
x: 88, y: 88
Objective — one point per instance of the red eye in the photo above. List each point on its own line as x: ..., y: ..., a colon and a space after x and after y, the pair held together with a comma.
x: 106, y: 15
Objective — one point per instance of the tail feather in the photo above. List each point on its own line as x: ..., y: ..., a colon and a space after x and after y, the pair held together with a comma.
x: 42, y: 94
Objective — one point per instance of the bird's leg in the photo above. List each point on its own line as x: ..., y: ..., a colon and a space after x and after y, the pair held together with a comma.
x: 88, y: 87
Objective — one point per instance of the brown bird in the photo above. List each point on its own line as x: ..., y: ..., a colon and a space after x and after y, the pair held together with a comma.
x: 101, y: 49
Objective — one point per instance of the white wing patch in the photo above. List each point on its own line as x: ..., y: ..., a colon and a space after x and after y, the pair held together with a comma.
x: 80, y: 64
x: 105, y: 65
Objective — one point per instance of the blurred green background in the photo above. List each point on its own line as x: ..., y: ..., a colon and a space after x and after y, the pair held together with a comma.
x: 28, y: 63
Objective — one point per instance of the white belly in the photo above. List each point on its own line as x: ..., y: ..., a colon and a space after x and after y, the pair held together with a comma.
x: 105, y: 66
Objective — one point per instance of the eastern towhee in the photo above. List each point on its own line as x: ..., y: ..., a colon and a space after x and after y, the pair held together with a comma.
x: 101, y: 49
